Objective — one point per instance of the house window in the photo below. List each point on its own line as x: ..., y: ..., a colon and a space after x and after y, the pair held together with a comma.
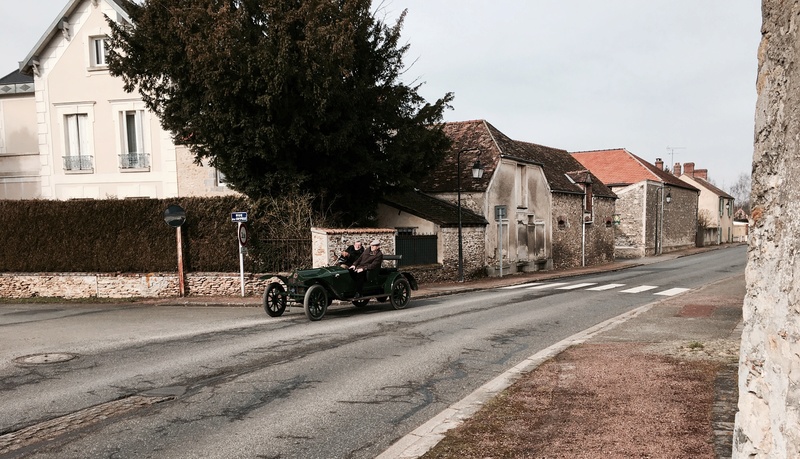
x: 77, y: 156
x: 98, y: 51
x: 133, y: 154
x: 522, y: 186
x: 221, y: 180
x: 721, y: 207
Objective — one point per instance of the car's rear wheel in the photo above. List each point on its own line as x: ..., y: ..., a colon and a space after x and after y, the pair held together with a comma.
x: 315, y: 302
x: 401, y: 293
x: 274, y: 299
x: 360, y: 303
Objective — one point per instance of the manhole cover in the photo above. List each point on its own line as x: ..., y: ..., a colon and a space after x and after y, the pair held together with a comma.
x: 50, y: 357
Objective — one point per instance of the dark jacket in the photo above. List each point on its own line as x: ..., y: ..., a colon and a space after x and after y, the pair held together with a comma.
x: 352, y: 255
x: 369, y: 260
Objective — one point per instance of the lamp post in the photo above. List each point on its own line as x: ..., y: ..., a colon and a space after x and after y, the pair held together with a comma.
x: 477, y: 172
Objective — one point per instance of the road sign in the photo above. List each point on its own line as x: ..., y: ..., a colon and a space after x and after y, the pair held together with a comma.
x: 242, y: 234
x: 237, y: 217
x: 175, y: 216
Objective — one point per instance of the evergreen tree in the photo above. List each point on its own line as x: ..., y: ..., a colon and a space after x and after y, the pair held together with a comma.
x: 284, y: 95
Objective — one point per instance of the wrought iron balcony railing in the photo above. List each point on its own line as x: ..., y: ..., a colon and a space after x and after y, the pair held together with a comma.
x: 134, y: 161
x: 78, y: 163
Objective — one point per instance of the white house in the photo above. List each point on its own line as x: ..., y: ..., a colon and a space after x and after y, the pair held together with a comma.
x: 94, y: 140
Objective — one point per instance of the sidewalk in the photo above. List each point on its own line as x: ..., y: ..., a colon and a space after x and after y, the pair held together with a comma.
x: 658, y: 382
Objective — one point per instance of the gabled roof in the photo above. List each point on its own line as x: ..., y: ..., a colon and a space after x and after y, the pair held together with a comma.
x: 479, y: 140
x: 619, y: 167
x: 433, y: 209
x: 56, y: 27
x: 709, y: 186
x: 16, y: 83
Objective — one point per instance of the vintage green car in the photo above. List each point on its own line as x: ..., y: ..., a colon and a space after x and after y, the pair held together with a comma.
x: 316, y: 289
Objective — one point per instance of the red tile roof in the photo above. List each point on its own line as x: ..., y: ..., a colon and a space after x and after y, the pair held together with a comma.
x: 619, y: 167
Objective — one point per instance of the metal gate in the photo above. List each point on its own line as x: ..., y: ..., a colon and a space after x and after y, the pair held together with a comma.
x: 416, y: 249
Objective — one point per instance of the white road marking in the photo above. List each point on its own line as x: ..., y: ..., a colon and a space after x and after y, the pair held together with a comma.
x: 672, y: 291
x: 572, y: 287
x: 605, y: 287
x: 639, y: 289
x: 512, y: 287
x: 541, y: 286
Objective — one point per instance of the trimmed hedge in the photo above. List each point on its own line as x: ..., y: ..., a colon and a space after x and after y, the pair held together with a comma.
x: 131, y: 236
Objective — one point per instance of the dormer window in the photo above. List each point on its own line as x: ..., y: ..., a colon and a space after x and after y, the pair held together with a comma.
x: 98, y: 51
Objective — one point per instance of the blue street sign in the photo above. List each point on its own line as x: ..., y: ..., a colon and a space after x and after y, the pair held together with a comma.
x: 239, y: 217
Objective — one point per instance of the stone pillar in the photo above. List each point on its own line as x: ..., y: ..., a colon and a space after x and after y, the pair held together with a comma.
x: 327, y: 243
x: 768, y: 420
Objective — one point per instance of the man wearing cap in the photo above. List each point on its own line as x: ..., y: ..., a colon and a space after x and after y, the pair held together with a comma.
x: 370, y: 259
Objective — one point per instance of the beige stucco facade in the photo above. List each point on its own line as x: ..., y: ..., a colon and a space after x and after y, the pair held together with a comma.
x: 19, y: 155
x: 94, y: 140
x: 718, y: 209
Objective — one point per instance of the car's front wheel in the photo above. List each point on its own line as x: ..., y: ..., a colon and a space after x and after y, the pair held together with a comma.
x: 275, y: 299
x: 315, y: 302
x: 401, y: 293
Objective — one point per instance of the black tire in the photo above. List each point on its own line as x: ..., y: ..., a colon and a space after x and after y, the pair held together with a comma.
x: 382, y: 299
x: 360, y: 303
x: 274, y: 299
x: 315, y: 302
x: 401, y: 293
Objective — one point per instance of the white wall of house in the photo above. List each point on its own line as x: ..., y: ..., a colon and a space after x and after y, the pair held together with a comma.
x: 718, y: 208
x: 19, y: 154
x: 84, y: 112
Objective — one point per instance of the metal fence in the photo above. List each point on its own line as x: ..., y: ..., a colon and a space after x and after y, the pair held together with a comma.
x: 417, y: 249
x: 282, y: 255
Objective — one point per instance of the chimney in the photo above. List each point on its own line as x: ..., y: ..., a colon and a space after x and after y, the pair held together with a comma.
x: 701, y: 173
x: 688, y: 169
x: 676, y: 171
x: 659, y: 164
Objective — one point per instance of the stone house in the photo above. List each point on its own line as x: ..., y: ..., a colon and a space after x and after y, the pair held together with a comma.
x: 715, y: 215
x: 656, y: 212
x: 534, y: 208
x: 19, y: 155
x: 93, y: 139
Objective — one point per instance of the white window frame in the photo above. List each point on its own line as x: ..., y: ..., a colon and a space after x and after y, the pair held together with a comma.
x: 83, y: 115
x: 141, y: 137
x: 98, y: 50
x: 220, y: 178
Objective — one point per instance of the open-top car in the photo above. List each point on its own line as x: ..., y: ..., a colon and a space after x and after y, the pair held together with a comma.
x: 316, y: 289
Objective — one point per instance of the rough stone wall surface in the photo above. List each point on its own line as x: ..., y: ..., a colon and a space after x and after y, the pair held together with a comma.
x: 680, y: 220
x: 600, y: 234
x: 473, y: 246
x: 629, y: 238
x: 768, y: 421
x: 567, y: 221
x: 100, y: 285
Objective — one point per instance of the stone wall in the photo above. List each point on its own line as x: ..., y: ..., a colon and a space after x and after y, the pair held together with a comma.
x: 768, y: 421
x: 125, y: 285
x: 629, y: 240
x: 328, y: 243
x: 566, y: 224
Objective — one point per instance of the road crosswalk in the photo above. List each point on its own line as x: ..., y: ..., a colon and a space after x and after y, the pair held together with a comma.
x: 593, y: 286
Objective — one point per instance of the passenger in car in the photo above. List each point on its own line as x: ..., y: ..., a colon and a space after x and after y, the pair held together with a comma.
x: 368, y: 260
x: 348, y: 256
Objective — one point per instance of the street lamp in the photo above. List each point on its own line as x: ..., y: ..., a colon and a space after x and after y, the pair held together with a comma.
x: 477, y: 173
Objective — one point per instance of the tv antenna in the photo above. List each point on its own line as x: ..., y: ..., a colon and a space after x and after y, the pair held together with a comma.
x: 671, y: 151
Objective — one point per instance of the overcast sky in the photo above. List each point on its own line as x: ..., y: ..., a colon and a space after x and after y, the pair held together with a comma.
x: 572, y: 74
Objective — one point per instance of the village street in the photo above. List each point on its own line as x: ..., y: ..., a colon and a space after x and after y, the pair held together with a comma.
x: 140, y: 380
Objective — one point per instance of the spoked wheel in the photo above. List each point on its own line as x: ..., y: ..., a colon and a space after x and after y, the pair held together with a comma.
x: 275, y: 299
x: 360, y: 303
x: 315, y: 302
x: 401, y: 293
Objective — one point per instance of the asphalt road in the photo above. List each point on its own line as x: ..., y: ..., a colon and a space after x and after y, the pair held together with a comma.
x: 147, y: 381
